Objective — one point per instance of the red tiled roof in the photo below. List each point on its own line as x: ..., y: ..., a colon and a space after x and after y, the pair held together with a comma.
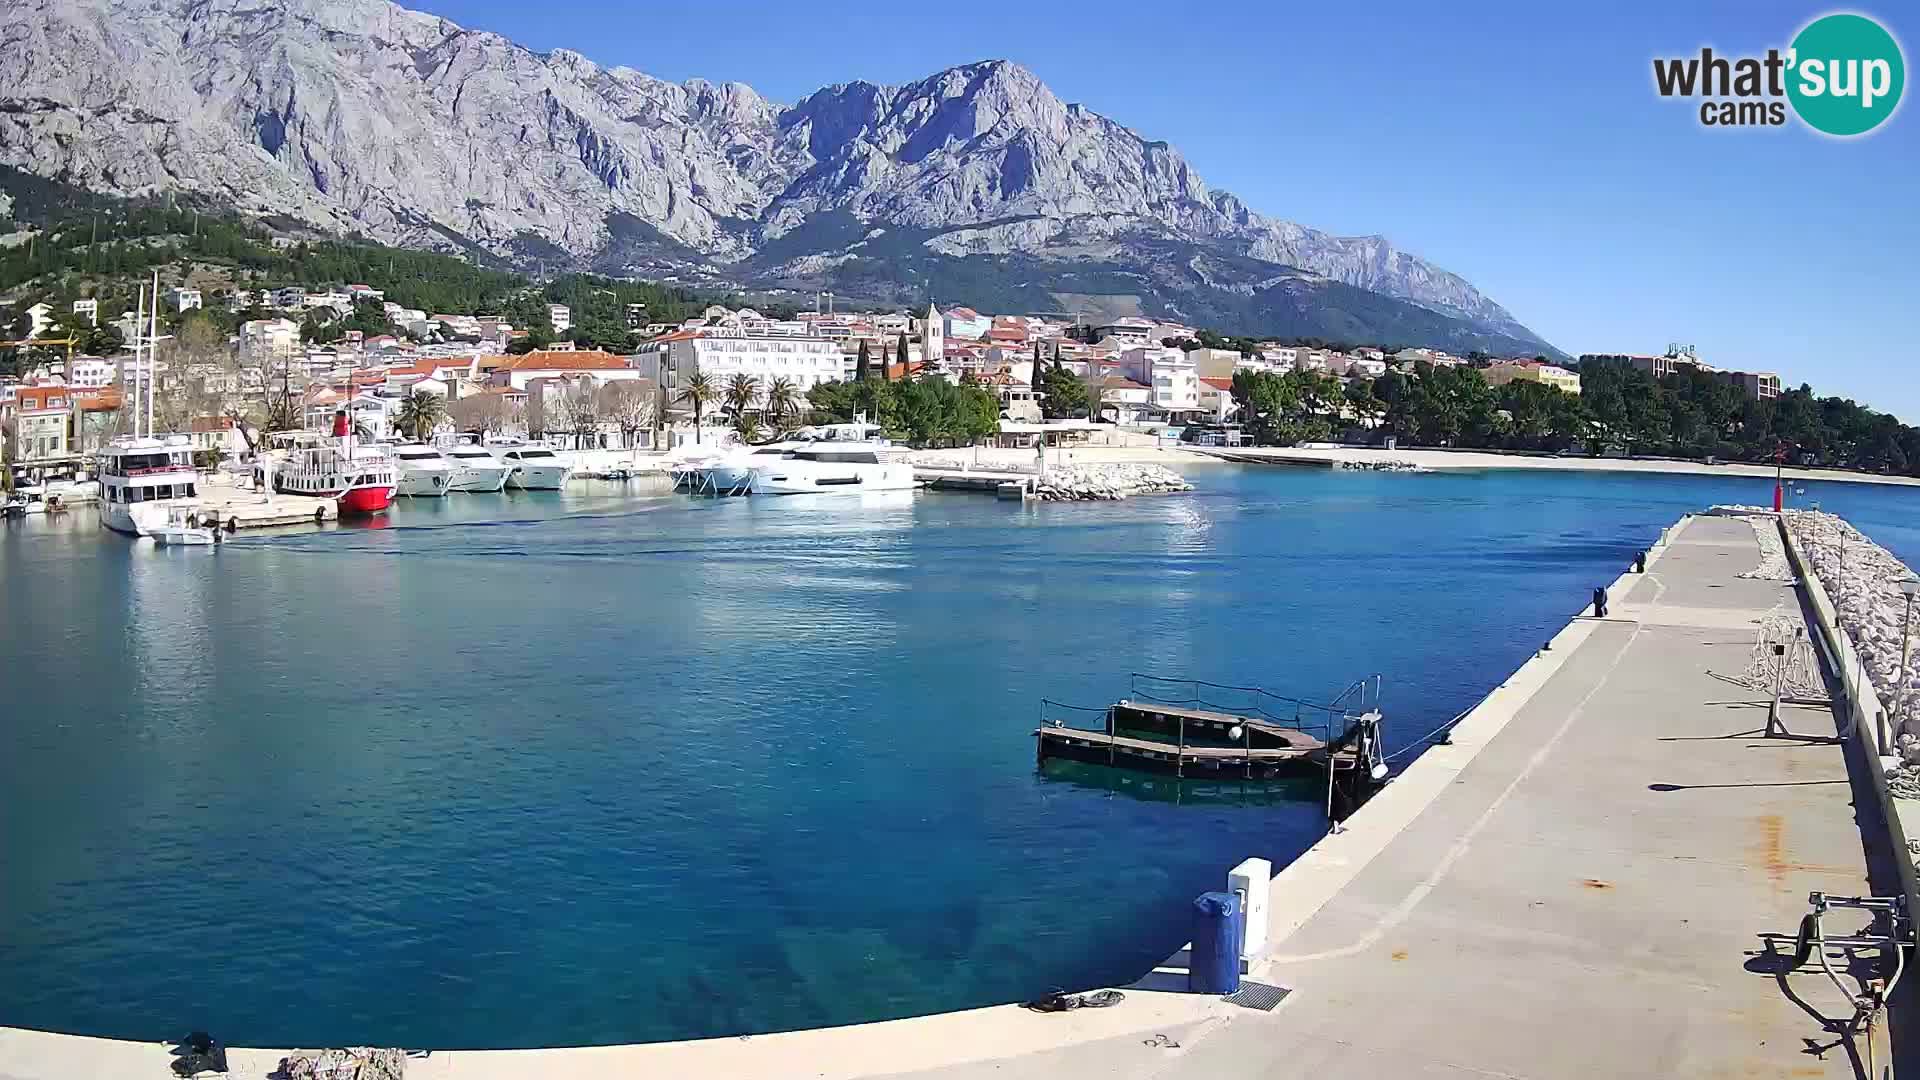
x: 581, y: 360
x: 1218, y: 384
x: 105, y: 399
x: 36, y: 397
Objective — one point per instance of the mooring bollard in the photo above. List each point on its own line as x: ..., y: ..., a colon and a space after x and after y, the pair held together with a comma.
x: 1219, y: 933
x: 1599, y: 603
x: 1640, y: 563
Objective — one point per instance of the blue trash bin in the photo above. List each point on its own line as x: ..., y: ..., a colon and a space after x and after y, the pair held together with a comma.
x: 1219, y: 932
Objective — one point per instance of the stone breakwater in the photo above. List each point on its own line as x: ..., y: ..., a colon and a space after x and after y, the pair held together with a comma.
x: 1862, y: 579
x: 1079, y: 483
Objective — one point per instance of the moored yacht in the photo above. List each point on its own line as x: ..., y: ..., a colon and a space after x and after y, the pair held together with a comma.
x: 475, y: 468
x: 837, y: 464
x: 424, y: 471
x: 536, y: 468
x: 140, y: 476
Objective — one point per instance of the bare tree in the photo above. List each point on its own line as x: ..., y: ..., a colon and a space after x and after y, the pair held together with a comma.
x: 629, y: 406
x: 579, y: 409
x: 489, y: 414
x: 9, y: 452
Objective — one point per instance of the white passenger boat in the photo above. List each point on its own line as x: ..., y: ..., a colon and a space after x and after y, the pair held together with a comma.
x: 139, y: 476
x: 424, y: 471
x: 535, y: 468
x: 359, y: 477
x: 475, y: 469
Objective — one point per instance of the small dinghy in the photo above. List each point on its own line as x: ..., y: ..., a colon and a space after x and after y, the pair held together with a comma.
x: 183, y: 529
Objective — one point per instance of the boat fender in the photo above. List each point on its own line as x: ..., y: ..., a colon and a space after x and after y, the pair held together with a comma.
x: 319, y: 514
x: 233, y: 524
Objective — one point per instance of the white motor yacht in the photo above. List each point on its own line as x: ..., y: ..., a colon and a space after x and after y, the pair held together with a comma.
x: 833, y: 466
x: 536, y: 468
x: 424, y: 471
x: 475, y: 468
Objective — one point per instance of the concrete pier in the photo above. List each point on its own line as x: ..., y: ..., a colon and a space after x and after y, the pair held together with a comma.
x: 250, y: 509
x: 1598, y: 876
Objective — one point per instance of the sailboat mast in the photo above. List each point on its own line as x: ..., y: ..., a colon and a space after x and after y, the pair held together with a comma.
x: 153, y: 336
x: 133, y: 383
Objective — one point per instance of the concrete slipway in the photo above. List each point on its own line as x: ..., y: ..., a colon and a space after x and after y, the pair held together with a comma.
x: 1592, y: 879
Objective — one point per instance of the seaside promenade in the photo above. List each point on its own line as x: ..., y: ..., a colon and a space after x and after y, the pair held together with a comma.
x: 1598, y: 876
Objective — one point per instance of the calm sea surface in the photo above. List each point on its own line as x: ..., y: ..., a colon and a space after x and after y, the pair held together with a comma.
x: 621, y: 765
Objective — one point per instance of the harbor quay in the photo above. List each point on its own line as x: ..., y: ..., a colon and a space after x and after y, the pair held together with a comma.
x: 1605, y: 868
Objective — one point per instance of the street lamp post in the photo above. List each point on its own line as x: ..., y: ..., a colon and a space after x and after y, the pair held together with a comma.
x: 1910, y: 588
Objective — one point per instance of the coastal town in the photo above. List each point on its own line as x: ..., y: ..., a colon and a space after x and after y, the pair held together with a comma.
x: 1052, y: 380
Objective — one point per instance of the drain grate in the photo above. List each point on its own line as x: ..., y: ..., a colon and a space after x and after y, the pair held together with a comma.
x: 1258, y: 995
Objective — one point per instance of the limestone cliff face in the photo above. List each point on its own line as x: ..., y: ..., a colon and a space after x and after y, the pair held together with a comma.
x: 363, y: 115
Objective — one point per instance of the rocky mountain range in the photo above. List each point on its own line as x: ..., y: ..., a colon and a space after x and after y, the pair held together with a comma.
x: 975, y: 185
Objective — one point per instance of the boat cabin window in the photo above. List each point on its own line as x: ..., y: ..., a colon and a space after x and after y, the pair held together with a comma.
x: 529, y: 455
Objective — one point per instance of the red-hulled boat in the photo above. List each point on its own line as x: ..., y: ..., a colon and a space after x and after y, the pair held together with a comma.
x: 360, y: 479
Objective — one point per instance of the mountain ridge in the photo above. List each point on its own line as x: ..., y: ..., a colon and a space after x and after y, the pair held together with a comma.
x: 361, y: 115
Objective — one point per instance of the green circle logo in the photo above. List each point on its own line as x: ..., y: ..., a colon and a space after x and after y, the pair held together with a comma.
x: 1845, y: 74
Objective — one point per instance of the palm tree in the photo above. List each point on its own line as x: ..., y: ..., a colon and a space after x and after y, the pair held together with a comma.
x: 420, y: 412
x: 782, y: 401
x: 698, y: 392
x: 745, y: 426
x: 742, y: 390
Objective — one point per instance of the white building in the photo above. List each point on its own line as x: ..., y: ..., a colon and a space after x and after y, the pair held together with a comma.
x: 90, y: 371
x: 964, y: 322
x: 1216, y: 399
x: 290, y: 298
x: 263, y: 340
x: 562, y: 317
x: 242, y: 299
x: 338, y: 301
x: 39, y: 316
x: 720, y: 353
x: 183, y: 299
x: 1121, y: 399
x: 1174, y: 378
x: 1214, y: 363
x: 88, y: 310
x: 1126, y: 330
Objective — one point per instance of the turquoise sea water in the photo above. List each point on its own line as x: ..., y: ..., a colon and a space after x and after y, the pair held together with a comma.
x: 612, y: 766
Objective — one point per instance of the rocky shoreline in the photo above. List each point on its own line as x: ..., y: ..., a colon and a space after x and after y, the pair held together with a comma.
x: 1089, y: 483
x: 1862, y: 579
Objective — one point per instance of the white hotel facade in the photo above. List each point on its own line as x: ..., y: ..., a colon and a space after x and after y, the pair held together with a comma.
x: 723, y: 352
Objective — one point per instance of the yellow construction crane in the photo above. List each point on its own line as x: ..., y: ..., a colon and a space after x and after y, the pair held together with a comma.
x: 67, y: 341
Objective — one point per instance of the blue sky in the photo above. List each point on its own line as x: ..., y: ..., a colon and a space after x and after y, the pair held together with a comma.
x: 1521, y: 147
